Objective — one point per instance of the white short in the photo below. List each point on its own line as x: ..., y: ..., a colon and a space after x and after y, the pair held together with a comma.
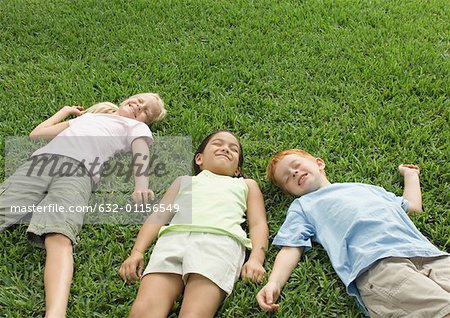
x: 216, y: 257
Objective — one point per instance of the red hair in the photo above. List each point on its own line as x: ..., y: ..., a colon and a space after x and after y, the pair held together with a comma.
x: 270, y: 171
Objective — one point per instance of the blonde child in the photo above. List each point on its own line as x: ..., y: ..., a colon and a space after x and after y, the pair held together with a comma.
x: 376, y: 250
x: 205, y: 257
x: 77, y: 150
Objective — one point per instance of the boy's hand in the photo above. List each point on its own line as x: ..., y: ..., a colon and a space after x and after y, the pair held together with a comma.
x: 253, y: 270
x: 405, y: 169
x: 268, y: 295
x: 142, y: 197
x: 132, y: 268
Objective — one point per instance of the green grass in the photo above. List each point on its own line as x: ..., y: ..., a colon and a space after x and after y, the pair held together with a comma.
x: 362, y: 84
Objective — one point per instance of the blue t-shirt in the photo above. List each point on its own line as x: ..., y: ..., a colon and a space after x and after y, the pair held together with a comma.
x: 357, y: 224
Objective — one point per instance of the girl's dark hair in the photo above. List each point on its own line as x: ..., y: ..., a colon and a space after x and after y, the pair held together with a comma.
x: 202, y: 147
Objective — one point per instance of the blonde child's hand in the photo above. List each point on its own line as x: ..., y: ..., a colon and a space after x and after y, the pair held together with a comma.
x: 73, y: 110
x: 253, y: 270
x: 132, y: 268
x: 142, y: 197
x: 405, y: 169
x: 268, y: 295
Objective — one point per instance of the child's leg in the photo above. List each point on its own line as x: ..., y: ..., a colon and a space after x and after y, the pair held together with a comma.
x: 213, y: 264
x: 401, y: 287
x: 156, y: 295
x: 438, y: 269
x: 58, y: 274
x: 19, y: 193
x: 202, y: 298
x: 57, y: 231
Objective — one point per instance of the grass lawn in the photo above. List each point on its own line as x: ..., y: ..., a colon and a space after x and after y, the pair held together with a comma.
x: 362, y: 84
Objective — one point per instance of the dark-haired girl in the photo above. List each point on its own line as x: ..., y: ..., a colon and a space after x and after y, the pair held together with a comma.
x: 202, y: 250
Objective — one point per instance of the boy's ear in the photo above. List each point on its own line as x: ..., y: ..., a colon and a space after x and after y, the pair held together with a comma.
x: 199, y: 159
x: 320, y: 163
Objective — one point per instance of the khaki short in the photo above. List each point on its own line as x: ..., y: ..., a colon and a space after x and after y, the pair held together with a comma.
x: 407, y: 287
x: 48, y: 199
x: 216, y: 257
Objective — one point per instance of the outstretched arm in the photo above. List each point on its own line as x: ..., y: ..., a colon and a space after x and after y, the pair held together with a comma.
x: 54, y: 125
x: 285, y: 263
x: 133, y: 266
x: 141, y: 160
x: 411, y: 192
x: 259, y: 233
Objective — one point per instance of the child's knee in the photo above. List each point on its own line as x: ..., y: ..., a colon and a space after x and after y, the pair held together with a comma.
x: 58, y: 240
x: 137, y: 310
x: 147, y: 309
x: 193, y: 314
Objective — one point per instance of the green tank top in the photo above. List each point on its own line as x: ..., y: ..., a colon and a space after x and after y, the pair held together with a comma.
x: 211, y: 203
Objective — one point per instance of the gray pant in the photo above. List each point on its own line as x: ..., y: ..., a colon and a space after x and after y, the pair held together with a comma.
x: 52, y: 190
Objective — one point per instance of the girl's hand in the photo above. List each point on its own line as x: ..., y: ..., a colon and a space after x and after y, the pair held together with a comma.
x: 253, y: 270
x: 405, y: 169
x: 73, y: 110
x: 132, y: 268
x: 268, y: 295
x: 142, y: 197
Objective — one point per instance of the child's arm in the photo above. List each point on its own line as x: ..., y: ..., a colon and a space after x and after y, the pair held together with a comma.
x: 54, y: 125
x: 147, y: 235
x: 285, y: 263
x: 259, y: 232
x: 132, y: 268
x: 411, y: 191
x: 141, y: 160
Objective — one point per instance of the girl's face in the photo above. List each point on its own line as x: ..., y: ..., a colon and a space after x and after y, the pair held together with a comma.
x: 141, y: 107
x: 221, y: 155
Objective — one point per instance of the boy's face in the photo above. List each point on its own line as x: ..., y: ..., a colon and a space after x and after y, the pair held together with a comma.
x: 298, y: 175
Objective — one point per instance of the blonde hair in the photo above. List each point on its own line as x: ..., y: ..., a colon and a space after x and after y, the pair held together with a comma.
x: 163, y: 111
x: 154, y: 117
x: 270, y: 171
x: 110, y: 108
x: 103, y: 107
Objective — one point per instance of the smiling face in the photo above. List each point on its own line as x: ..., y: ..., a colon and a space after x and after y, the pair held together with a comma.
x: 221, y: 155
x: 145, y: 107
x: 298, y: 175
